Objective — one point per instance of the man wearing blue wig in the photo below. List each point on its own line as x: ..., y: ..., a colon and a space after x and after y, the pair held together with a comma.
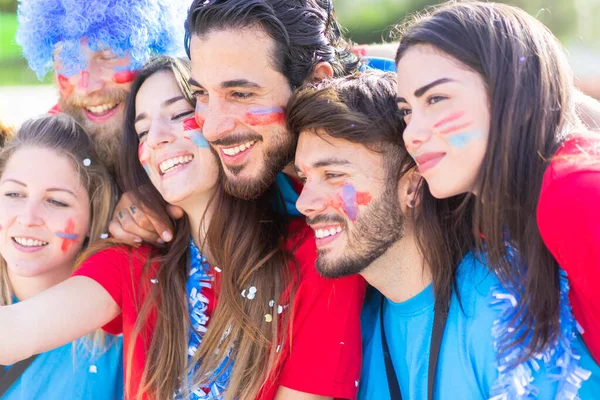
x: 94, y: 48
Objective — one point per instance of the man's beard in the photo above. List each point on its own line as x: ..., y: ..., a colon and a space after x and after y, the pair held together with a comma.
x: 106, y: 136
x: 275, y: 159
x: 374, y: 232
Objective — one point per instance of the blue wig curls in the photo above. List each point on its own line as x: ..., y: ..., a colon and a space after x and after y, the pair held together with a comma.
x: 140, y: 28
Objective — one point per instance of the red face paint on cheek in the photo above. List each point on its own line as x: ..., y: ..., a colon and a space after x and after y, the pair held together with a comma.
x: 68, y: 236
x: 64, y: 85
x: 265, y: 116
x: 448, y: 123
x: 124, y: 77
x: 348, y: 200
x: 454, y: 129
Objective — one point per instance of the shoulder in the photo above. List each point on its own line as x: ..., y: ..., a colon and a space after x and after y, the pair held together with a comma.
x: 579, y: 153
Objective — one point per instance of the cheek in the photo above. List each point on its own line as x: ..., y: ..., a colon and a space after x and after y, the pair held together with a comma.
x: 65, y: 86
x: 193, y: 132
x: 71, y: 232
x: 144, y: 156
x: 348, y: 200
x: 264, y: 116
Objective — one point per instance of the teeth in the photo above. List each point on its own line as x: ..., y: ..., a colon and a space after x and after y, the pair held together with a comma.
x: 101, y: 109
x: 29, y: 242
x: 236, y: 150
x: 173, y: 163
x: 323, y: 233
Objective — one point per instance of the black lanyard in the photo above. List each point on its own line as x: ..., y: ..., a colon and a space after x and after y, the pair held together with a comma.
x: 10, y: 376
x: 440, y: 315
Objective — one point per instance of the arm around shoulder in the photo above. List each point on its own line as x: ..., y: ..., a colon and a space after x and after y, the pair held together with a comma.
x: 54, y: 318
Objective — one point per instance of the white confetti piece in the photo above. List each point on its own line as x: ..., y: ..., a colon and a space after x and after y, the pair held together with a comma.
x: 154, y: 281
x: 252, y: 289
x: 268, y: 317
x: 93, y: 369
x: 279, y: 309
x: 104, y: 236
x: 271, y: 303
x: 251, y: 296
x: 218, y: 269
x: 342, y: 343
x: 244, y: 293
x: 356, y: 383
x: 87, y: 162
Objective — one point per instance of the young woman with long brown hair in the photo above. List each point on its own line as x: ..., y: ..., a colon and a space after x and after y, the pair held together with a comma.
x: 55, y: 201
x: 278, y: 329
x: 486, y: 94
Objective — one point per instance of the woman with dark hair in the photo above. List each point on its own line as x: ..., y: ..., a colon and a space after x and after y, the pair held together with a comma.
x: 486, y: 95
x: 227, y: 309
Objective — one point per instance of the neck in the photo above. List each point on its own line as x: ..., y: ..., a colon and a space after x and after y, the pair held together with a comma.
x: 25, y: 287
x: 400, y: 273
x: 199, y: 215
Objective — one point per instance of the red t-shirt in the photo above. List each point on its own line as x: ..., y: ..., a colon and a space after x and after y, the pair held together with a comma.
x: 568, y: 217
x: 324, y: 354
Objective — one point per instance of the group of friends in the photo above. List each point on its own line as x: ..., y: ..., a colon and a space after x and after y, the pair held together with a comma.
x: 276, y: 217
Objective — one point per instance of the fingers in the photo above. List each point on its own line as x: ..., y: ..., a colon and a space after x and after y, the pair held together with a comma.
x: 131, y: 223
x: 161, y: 225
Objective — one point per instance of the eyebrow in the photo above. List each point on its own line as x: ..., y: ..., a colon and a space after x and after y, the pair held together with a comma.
x: 234, y: 83
x: 53, y: 189
x: 325, y: 163
x: 165, y: 103
x: 422, y: 90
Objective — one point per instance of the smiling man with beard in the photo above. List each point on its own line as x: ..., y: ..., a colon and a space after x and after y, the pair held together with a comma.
x: 441, y: 310
x: 94, y: 48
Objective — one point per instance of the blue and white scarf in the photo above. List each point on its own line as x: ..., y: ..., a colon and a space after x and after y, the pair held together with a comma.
x: 201, y: 278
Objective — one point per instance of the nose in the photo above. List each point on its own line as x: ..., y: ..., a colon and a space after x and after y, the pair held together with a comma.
x: 417, y: 132
x: 160, y: 133
x: 88, y: 81
x: 217, y: 120
x: 30, y: 214
x: 311, y: 200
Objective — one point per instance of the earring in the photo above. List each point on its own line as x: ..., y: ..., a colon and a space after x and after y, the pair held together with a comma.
x: 411, y: 204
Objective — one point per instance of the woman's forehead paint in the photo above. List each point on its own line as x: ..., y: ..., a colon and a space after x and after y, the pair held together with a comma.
x: 68, y: 235
x: 264, y: 116
x: 451, y: 118
x: 193, y: 133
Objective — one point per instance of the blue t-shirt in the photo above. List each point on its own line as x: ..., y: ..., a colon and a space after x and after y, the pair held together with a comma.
x: 73, y: 372
x: 467, y: 365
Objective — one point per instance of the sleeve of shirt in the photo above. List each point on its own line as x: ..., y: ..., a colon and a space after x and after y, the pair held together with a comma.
x: 105, y: 268
x: 324, y: 355
x: 569, y: 221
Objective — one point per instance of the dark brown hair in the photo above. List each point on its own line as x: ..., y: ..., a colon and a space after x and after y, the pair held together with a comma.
x: 305, y: 32
x: 528, y: 87
x: 362, y: 109
x: 245, y: 240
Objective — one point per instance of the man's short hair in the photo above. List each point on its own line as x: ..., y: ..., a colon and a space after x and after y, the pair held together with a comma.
x: 139, y: 28
x: 305, y: 32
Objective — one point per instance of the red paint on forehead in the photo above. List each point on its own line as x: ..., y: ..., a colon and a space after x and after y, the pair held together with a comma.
x: 124, y: 76
x: 264, y: 119
x: 69, y: 229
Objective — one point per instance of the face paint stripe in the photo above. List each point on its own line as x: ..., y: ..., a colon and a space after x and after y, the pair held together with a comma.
x: 462, y: 139
x: 265, y: 116
x: 84, y: 82
x: 456, y: 128
x: 68, y: 235
x: 190, y: 124
x: 198, y: 139
x: 451, y: 118
x: 124, y: 77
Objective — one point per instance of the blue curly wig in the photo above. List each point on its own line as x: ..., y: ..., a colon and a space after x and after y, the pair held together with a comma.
x: 141, y: 28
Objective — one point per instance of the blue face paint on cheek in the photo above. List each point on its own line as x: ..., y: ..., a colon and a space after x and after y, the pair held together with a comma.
x: 349, y: 204
x: 460, y: 140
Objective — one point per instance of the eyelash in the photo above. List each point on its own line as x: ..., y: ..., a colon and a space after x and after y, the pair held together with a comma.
x: 332, y: 175
x: 174, y: 118
x: 437, y: 99
x: 13, y: 195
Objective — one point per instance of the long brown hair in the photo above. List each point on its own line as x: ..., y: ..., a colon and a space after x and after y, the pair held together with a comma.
x: 246, y: 241
x: 528, y: 86
x: 62, y: 134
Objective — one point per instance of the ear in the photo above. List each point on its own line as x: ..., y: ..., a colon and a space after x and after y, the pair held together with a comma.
x: 323, y: 70
x: 408, y: 190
